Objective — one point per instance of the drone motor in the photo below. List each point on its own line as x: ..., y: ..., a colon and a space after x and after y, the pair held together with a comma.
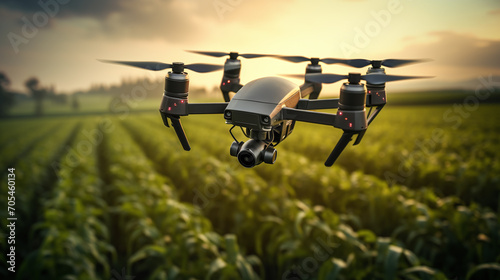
x: 232, y: 68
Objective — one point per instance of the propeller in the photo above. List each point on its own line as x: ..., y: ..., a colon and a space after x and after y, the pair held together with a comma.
x: 313, y: 60
x: 232, y: 55
x: 177, y: 67
x: 359, y: 63
x: 353, y: 78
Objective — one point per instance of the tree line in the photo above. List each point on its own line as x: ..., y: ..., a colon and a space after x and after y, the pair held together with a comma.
x: 36, y: 91
x: 40, y: 93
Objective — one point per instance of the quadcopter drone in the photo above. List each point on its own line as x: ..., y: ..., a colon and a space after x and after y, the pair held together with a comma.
x: 266, y: 109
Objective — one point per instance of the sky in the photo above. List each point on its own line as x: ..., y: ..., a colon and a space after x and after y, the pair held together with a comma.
x: 59, y: 41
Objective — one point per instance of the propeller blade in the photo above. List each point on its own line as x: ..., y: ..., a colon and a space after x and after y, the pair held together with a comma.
x: 350, y: 62
x: 221, y: 54
x: 331, y: 60
x: 401, y: 62
x: 255, y: 55
x: 149, y: 65
x: 295, y: 59
x: 214, y: 54
x: 343, y: 142
x: 203, y: 68
x: 375, y: 79
x: 325, y: 78
x: 358, y: 63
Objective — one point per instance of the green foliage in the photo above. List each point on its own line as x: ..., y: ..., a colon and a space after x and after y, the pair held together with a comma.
x: 33, y: 175
x: 71, y: 233
x: 404, y: 204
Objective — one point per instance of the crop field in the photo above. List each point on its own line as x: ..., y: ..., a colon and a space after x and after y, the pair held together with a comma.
x: 114, y: 196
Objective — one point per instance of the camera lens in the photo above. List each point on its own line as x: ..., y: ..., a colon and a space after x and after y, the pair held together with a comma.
x: 246, y: 159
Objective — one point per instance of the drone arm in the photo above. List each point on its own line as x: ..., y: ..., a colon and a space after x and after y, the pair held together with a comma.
x: 311, y: 89
x: 372, y: 116
x: 308, y: 116
x: 227, y: 89
x: 327, y: 119
x: 237, y: 87
x: 343, y: 142
x: 206, y: 108
x: 176, y: 123
x: 370, y: 119
x: 315, y: 104
x: 174, y: 113
x: 306, y: 89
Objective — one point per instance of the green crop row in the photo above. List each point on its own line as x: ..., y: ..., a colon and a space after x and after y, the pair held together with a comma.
x: 240, y: 201
x: 12, y: 130
x: 161, y: 237
x: 34, y: 177
x: 20, y: 146
x: 70, y: 233
x: 395, y: 207
x: 419, y: 147
x: 365, y: 202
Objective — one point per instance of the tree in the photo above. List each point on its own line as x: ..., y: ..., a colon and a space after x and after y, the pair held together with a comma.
x: 6, y: 98
x: 75, y: 103
x: 37, y: 93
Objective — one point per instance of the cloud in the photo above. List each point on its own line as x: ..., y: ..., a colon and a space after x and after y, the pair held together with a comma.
x: 457, y: 60
x: 460, y: 50
x: 175, y: 21
x: 92, y: 8
x: 166, y: 19
x: 171, y: 20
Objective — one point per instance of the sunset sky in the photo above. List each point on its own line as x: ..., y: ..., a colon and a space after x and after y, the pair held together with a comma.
x: 61, y: 42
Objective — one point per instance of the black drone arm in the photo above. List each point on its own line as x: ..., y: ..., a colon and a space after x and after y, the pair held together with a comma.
x: 372, y: 116
x: 306, y: 89
x: 339, y: 148
x: 174, y: 113
x: 308, y: 116
x: 350, y: 129
x: 310, y: 89
x: 318, y: 104
x: 231, y: 88
x: 179, y: 131
x: 176, y: 123
x: 206, y: 108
